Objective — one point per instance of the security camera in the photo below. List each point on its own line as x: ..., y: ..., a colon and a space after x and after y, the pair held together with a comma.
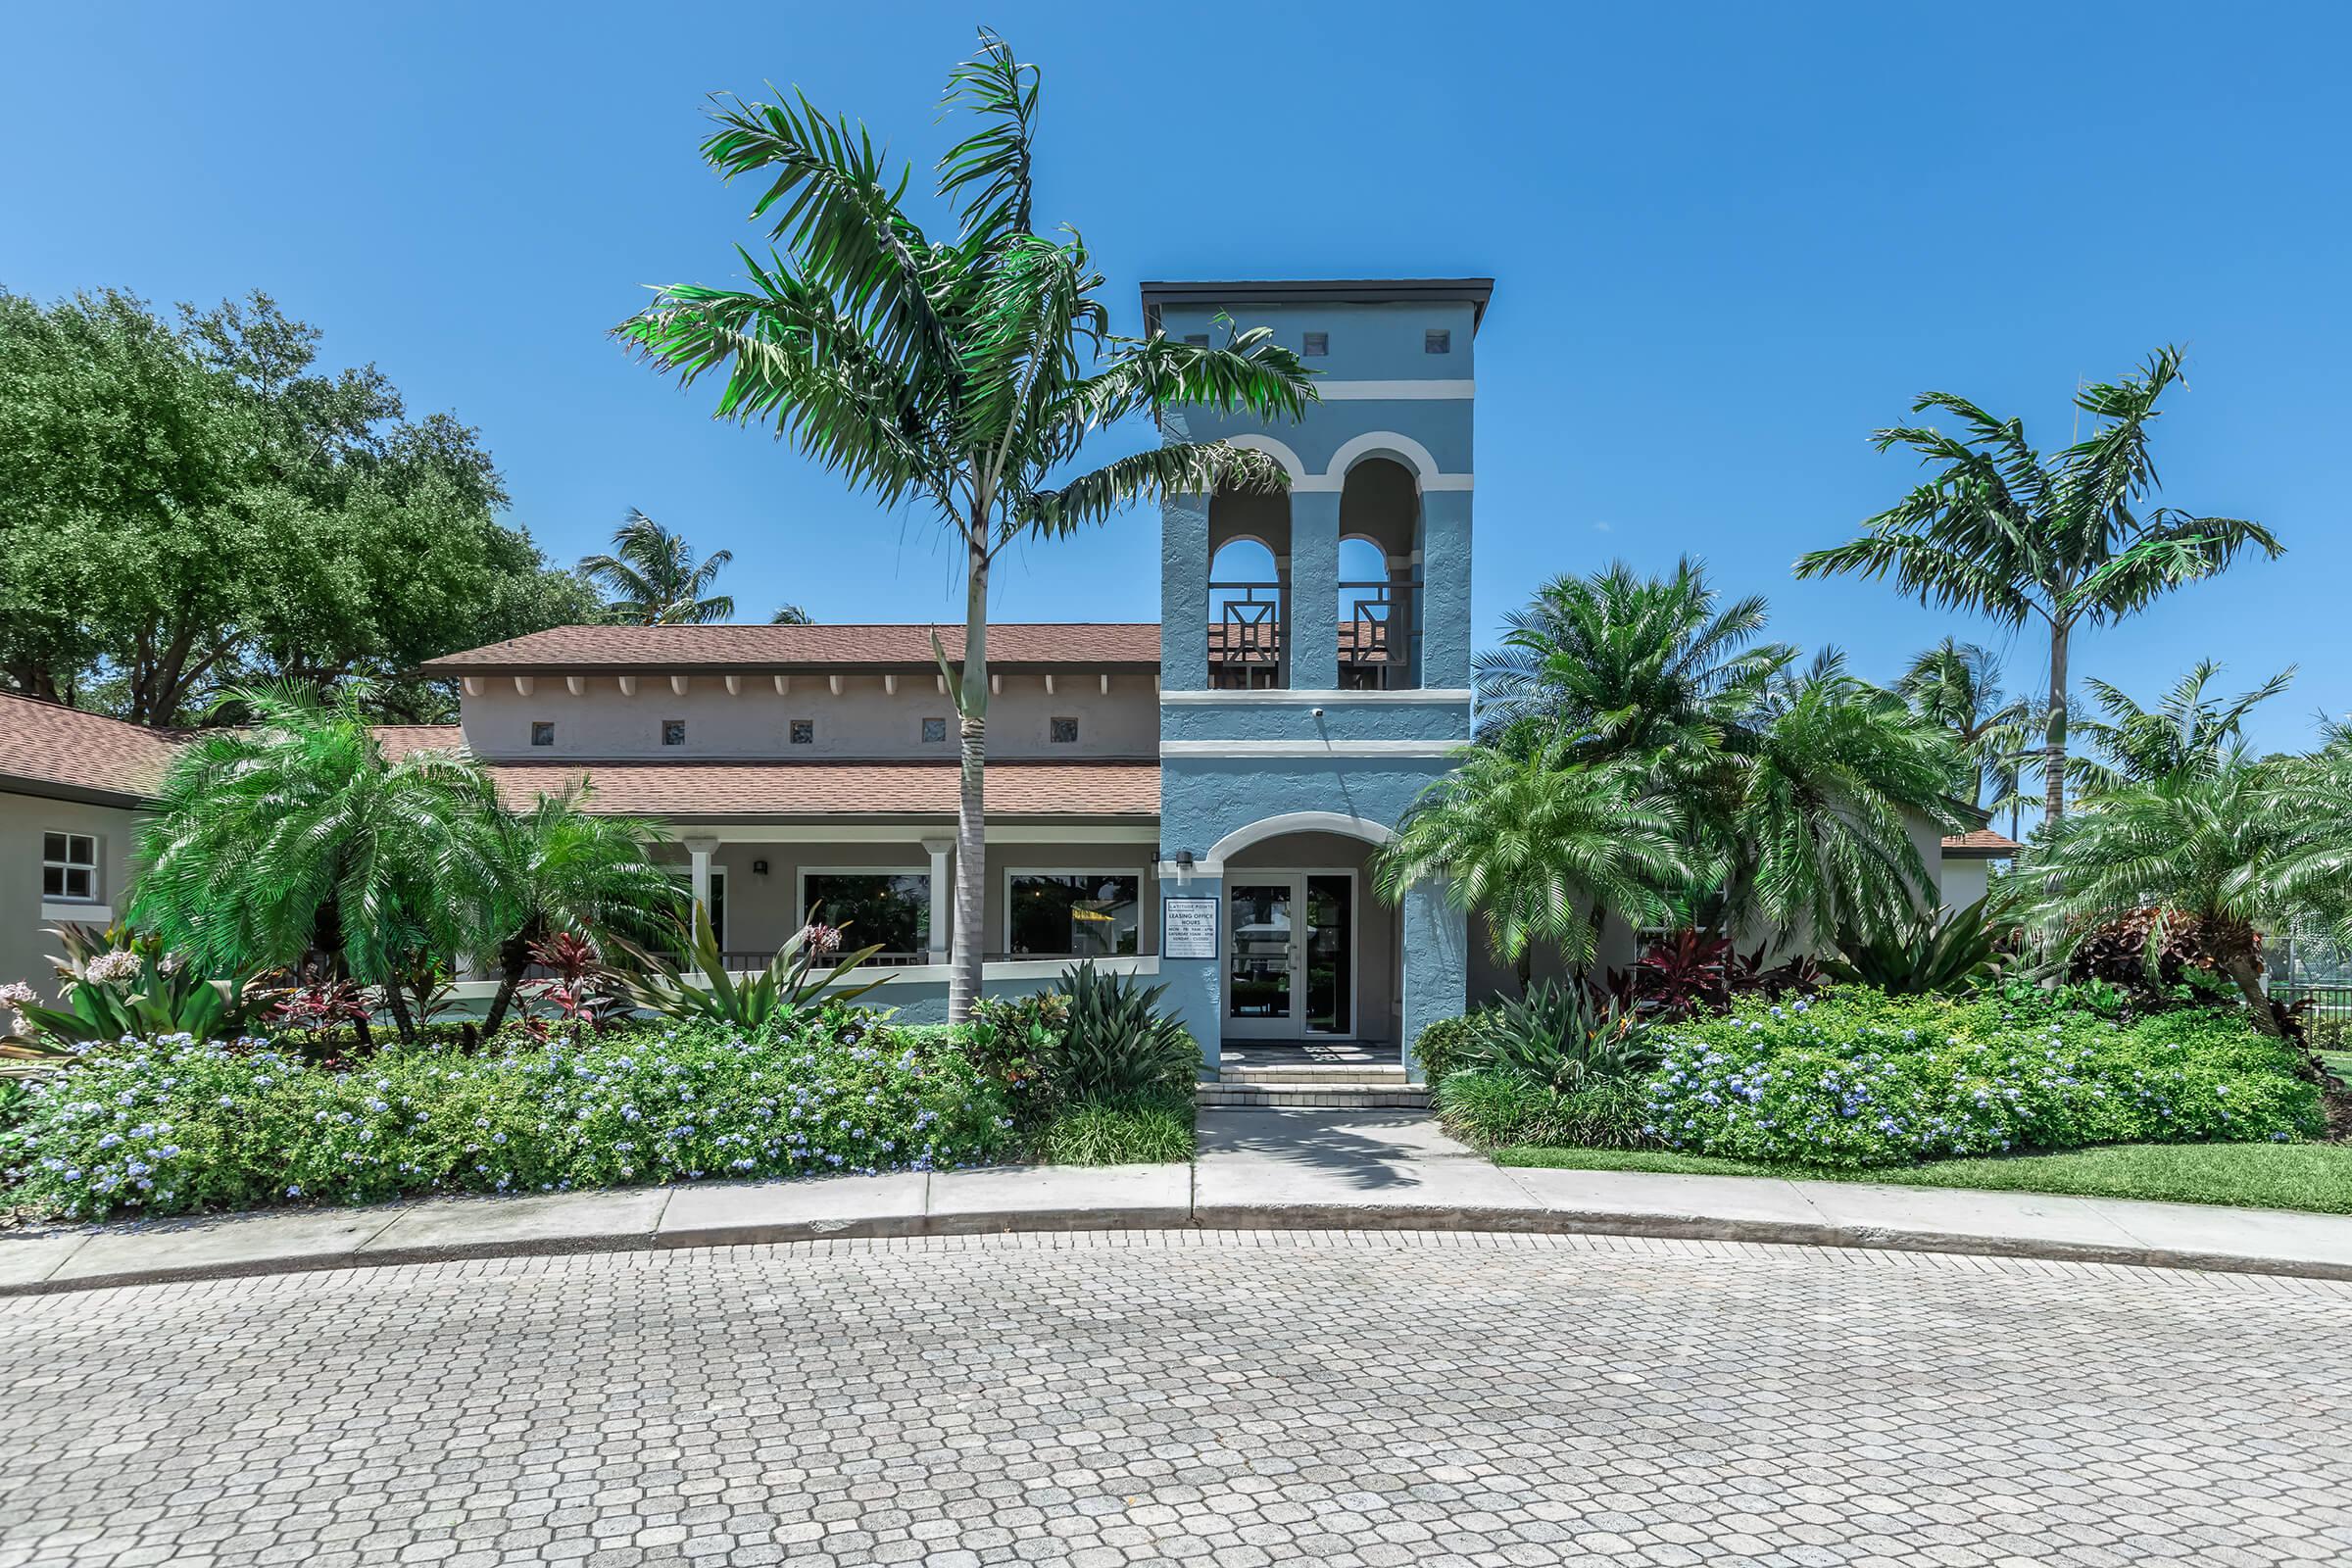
x: 1318, y: 713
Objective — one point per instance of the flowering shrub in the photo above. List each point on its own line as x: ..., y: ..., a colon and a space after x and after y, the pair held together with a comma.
x: 173, y: 1124
x: 1858, y: 1078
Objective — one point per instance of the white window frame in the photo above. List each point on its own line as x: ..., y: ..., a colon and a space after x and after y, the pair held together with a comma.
x: 1297, y: 877
x: 1146, y: 940
x: 800, y: 900
x: 95, y: 866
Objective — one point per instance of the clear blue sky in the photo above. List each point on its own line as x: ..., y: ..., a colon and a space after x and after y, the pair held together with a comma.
x: 1729, y: 241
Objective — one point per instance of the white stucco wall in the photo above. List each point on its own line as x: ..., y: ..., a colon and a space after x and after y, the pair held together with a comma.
x: 24, y: 915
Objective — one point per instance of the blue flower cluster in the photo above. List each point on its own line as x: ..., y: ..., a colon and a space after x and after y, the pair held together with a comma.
x: 1858, y: 1079
x: 171, y: 1124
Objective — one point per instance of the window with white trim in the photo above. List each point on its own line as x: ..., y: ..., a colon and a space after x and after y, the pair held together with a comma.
x: 891, y: 907
x: 70, y: 867
x: 1074, y: 914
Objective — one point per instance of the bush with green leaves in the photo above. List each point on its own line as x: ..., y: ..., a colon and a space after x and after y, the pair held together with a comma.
x: 702, y: 990
x: 1858, y: 1078
x: 1140, y: 1129
x: 1117, y: 1043
x: 1494, y: 1109
x: 174, y: 1125
x: 1444, y: 1044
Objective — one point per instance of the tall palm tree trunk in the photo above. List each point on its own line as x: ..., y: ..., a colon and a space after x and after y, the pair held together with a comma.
x: 2053, y: 748
x: 971, y: 806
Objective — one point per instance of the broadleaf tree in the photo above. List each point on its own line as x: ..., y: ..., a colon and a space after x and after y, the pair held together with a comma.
x: 961, y: 373
x: 199, y: 505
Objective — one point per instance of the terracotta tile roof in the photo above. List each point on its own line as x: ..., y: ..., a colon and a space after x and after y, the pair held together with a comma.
x: 841, y: 789
x: 1980, y: 844
x: 812, y: 789
x: 64, y: 751
x: 689, y: 648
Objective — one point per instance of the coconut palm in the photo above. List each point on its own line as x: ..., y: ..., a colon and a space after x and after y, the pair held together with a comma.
x: 1957, y: 687
x: 556, y: 869
x: 2003, y: 531
x: 294, y: 837
x: 962, y: 372
x: 1631, y: 666
x: 653, y: 578
x: 2185, y: 730
x: 1826, y: 785
x: 2241, y: 844
x: 1541, y: 845
x: 791, y: 615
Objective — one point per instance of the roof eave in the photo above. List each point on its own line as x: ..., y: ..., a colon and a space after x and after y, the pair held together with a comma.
x: 1472, y: 291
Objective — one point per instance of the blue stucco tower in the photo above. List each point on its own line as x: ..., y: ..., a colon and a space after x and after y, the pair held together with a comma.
x: 1315, y: 674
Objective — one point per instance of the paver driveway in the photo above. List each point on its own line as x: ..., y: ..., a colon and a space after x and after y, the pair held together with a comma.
x: 1219, y: 1399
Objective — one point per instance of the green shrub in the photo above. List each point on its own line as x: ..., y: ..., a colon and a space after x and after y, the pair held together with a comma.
x: 1117, y: 1044
x: 1920, y: 958
x: 171, y: 1125
x: 1859, y: 1078
x: 1143, y: 1129
x: 1443, y: 1042
x: 1561, y: 1037
x: 1494, y: 1108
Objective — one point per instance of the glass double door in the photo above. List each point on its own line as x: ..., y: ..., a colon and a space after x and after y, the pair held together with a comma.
x: 1290, y: 954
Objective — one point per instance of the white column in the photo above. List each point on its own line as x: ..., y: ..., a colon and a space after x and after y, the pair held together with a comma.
x: 943, y: 918
x: 700, y: 850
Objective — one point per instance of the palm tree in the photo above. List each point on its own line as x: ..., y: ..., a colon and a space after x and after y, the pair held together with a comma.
x: 294, y: 836
x: 654, y: 579
x: 2185, y: 730
x: 2239, y: 846
x: 1826, y: 782
x: 1541, y: 845
x: 964, y: 373
x: 2004, y: 532
x: 791, y: 615
x: 1957, y: 687
x: 555, y: 867
x: 1631, y: 666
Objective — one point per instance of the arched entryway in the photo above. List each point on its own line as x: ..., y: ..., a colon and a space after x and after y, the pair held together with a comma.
x: 1311, y: 950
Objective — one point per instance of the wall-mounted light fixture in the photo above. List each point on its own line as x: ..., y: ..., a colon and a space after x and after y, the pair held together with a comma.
x: 758, y: 868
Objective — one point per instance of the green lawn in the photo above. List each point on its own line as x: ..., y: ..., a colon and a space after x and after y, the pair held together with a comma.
x: 2308, y: 1176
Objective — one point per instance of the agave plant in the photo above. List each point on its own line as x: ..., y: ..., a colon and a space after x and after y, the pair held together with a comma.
x: 1117, y: 1043
x: 711, y: 994
x: 118, y: 982
x: 1920, y: 958
x: 1562, y: 1037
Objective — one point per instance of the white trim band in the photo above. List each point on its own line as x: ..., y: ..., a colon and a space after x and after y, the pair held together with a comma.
x: 1331, y: 391
x: 1312, y: 747
x: 1304, y: 695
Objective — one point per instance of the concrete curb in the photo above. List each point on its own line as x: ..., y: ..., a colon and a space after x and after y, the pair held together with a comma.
x: 1305, y: 1215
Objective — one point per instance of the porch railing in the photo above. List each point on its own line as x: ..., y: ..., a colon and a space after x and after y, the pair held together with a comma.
x: 1245, y: 640
x: 1379, y: 634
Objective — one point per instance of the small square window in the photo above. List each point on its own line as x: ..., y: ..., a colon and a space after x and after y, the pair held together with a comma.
x: 1316, y: 345
x: 69, y: 866
x: 1064, y: 731
x: 673, y: 732
x: 935, y: 729
x: 1199, y: 340
x: 804, y: 732
x: 543, y: 732
x: 1437, y: 340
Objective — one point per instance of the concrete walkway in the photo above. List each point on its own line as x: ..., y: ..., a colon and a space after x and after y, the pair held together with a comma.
x: 1257, y: 1169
